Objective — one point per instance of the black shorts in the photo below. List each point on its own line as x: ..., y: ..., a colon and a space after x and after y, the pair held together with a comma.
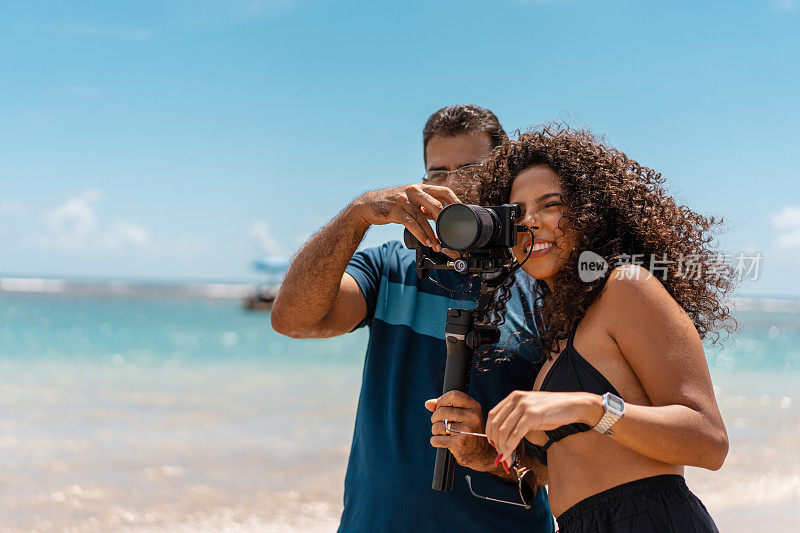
x: 657, y: 504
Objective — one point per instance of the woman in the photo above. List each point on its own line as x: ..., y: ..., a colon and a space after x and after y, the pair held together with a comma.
x: 623, y: 346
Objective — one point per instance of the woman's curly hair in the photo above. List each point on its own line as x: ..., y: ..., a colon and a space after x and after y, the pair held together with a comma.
x: 618, y: 209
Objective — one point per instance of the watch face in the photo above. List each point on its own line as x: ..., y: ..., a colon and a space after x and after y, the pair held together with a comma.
x: 615, y: 403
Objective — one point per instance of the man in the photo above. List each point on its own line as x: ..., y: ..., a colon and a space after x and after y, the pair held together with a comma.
x: 329, y: 291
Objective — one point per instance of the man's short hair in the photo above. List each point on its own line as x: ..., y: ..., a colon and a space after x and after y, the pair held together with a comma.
x: 459, y: 119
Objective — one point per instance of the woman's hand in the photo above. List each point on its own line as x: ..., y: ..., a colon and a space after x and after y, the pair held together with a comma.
x: 523, y: 412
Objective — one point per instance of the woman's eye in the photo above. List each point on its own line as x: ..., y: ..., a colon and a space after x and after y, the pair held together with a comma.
x: 554, y: 204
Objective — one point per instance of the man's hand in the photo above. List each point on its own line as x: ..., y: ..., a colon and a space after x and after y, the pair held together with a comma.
x: 464, y: 414
x: 409, y: 205
x: 336, y: 305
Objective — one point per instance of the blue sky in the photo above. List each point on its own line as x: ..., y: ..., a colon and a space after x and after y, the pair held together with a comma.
x: 180, y: 139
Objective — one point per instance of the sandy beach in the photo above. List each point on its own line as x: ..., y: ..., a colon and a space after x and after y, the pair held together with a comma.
x: 191, y: 415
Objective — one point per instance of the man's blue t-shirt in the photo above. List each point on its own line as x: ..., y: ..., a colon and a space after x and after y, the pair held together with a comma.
x: 389, y: 474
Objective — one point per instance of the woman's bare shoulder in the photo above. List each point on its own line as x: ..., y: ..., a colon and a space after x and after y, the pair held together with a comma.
x: 632, y: 283
x: 633, y: 297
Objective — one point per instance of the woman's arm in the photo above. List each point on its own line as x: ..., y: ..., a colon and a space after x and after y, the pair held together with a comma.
x: 658, y: 340
x: 661, y: 345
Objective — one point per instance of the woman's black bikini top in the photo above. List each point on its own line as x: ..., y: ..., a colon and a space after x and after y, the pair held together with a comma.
x: 569, y: 373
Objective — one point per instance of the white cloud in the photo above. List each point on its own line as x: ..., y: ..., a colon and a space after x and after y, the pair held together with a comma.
x: 74, y: 225
x: 785, y: 5
x: 263, y: 237
x: 788, y: 218
x: 790, y: 240
x: 71, y: 224
x: 13, y: 208
x: 123, y: 234
x: 787, y: 222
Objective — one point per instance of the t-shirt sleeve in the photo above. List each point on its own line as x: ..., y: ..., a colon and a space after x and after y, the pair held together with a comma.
x: 367, y: 267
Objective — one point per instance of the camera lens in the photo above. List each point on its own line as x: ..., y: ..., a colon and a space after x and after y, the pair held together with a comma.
x: 464, y: 227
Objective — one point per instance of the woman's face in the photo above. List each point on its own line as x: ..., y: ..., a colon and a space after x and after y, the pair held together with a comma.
x: 538, y: 191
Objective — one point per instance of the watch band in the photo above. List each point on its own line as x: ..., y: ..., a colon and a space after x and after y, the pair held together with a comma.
x: 614, y: 409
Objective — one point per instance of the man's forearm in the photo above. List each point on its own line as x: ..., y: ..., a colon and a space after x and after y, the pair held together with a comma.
x: 311, y: 284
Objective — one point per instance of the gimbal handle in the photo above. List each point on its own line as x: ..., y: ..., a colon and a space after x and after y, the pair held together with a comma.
x: 461, y: 336
x: 456, y: 377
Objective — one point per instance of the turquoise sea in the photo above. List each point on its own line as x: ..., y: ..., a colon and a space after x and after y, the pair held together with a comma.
x: 177, y: 411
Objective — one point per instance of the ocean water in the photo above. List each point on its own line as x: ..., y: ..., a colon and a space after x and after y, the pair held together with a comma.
x: 164, y: 411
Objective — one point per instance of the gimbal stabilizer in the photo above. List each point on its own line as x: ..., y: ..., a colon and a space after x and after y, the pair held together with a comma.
x: 463, y: 335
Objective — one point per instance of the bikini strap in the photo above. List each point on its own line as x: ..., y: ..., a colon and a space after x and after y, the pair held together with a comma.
x: 547, y: 444
x: 572, y: 334
x: 555, y: 435
x: 539, y: 453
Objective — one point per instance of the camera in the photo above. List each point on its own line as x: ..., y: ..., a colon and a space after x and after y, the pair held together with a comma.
x: 483, y: 235
x: 468, y: 228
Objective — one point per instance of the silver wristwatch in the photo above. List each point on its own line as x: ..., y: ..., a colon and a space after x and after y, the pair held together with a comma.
x: 615, y: 408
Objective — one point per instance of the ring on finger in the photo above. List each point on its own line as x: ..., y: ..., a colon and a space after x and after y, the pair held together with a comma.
x: 450, y: 430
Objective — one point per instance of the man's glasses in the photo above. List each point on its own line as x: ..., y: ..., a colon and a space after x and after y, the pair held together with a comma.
x: 439, y: 177
x: 526, y: 493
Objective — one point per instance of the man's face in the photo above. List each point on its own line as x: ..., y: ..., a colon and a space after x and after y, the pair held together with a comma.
x: 453, y: 152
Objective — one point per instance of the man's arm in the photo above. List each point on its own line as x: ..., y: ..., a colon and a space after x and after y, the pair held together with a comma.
x: 317, y: 298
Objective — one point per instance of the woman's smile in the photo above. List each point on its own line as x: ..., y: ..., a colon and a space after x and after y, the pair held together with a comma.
x: 537, y: 249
